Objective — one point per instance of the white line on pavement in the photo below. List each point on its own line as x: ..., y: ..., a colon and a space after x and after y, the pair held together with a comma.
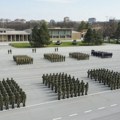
x: 57, y: 118
x: 88, y: 111
x: 67, y: 100
x: 73, y: 114
x: 49, y: 102
x: 99, y: 93
x: 41, y: 103
x: 113, y: 105
x: 101, y: 108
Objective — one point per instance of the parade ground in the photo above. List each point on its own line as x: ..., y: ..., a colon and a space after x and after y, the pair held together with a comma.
x: 100, y: 104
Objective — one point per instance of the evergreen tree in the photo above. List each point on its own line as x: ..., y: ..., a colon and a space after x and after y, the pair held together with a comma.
x: 117, y: 33
x: 40, y: 35
x: 83, y: 25
x: 93, y: 37
x: 88, y: 36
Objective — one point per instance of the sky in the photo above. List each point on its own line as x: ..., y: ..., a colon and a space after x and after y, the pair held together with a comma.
x: 76, y: 10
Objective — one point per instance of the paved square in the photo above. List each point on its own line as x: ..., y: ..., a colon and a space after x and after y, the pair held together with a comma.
x: 29, y: 77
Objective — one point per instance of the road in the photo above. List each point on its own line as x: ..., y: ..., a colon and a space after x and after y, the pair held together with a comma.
x: 90, y: 107
x: 42, y: 104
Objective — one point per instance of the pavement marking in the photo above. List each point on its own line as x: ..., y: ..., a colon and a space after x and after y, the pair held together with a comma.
x: 49, y: 102
x: 73, y: 114
x: 88, y: 111
x: 99, y: 93
x: 101, y: 108
x: 113, y: 105
x: 59, y: 118
x: 62, y: 100
x: 41, y: 103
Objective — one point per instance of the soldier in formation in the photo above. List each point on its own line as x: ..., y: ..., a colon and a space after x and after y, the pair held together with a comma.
x: 65, y: 85
x: 54, y: 57
x: 22, y: 59
x: 101, y: 54
x: 105, y: 76
x: 79, y: 56
x: 11, y: 94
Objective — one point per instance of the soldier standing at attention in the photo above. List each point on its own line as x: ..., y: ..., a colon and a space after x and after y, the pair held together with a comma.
x: 1, y: 102
x: 8, y: 51
x: 57, y: 49
x: 6, y: 101
x: 13, y: 100
x: 86, y: 88
x: 88, y: 73
x: 23, y: 97
x: 18, y: 99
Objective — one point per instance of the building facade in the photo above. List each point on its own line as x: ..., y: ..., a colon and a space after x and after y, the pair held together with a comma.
x: 60, y: 33
x: 11, y: 35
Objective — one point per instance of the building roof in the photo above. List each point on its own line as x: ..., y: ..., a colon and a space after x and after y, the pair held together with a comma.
x: 58, y: 28
x: 6, y: 29
x: 15, y: 33
x: 75, y: 31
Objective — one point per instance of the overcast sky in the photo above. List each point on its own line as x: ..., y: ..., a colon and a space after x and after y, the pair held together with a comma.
x: 77, y: 10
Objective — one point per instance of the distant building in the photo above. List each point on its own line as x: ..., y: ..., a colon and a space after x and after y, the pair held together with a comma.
x: 66, y: 19
x: 11, y: 35
x: 91, y: 20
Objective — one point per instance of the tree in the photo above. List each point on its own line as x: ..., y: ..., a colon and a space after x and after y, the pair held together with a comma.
x: 88, y: 36
x: 83, y: 25
x: 117, y: 33
x: 93, y: 37
x: 108, y: 29
x: 40, y: 35
x: 97, y: 37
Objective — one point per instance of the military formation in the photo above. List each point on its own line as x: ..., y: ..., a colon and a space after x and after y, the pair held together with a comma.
x: 54, y: 57
x: 101, y: 54
x: 11, y: 95
x: 22, y: 59
x: 105, y: 76
x: 65, y: 85
x: 79, y: 56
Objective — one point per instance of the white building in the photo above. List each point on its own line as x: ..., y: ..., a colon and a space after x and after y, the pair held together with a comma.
x: 10, y: 35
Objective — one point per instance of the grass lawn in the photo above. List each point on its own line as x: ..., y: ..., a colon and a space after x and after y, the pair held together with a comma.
x: 64, y: 44
x: 20, y: 45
